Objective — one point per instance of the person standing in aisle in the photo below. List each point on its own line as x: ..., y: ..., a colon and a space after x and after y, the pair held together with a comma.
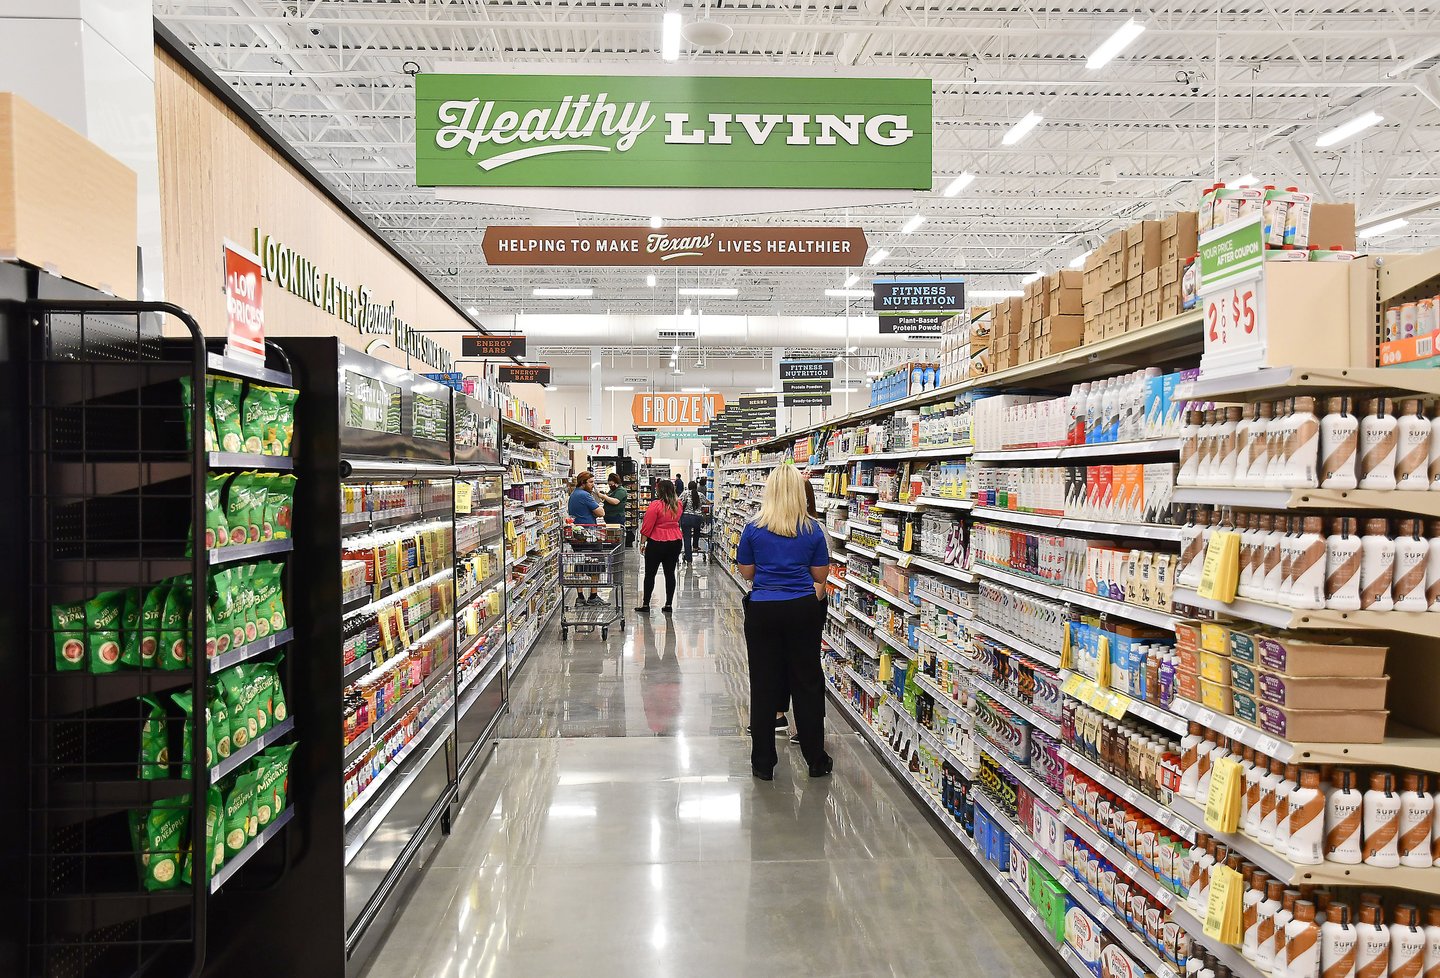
x: 585, y: 509
x: 692, y: 519
x: 783, y: 554
x: 660, y: 543
x: 679, y: 484
x: 615, y: 501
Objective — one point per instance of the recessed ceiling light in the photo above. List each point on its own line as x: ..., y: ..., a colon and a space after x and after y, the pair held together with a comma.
x: 1114, y: 44
x: 848, y: 293
x: 670, y: 36
x: 687, y: 310
x: 619, y: 387
x: 958, y: 184
x: 1385, y: 227
x: 851, y: 349
x: 717, y: 292
x: 1344, y: 131
x: 1079, y: 260
x: 878, y: 255
x: 675, y: 348
x: 562, y: 293
x: 913, y: 224
x: 650, y: 281
x: 851, y: 280
x: 1022, y: 128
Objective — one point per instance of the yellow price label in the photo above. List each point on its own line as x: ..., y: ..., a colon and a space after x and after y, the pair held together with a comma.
x: 1073, y: 684
x: 1221, y: 571
x: 463, y: 502
x: 1223, y: 911
x: 905, y: 560
x: 1222, y: 805
x: 1116, y: 704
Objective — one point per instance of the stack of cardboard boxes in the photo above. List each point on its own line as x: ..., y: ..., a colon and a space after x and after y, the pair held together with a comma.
x: 1133, y: 279
x: 1048, y: 319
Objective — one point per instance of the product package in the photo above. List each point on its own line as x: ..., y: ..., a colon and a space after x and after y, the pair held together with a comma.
x: 225, y: 410
x: 155, y: 743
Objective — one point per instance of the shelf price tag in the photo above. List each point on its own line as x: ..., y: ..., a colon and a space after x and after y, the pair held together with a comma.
x: 462, y: 498
x: 1117, y: 705
x: 1222, y: 913
x: 1073, y: 684
x: 905, y: 560
x: 1221, y: 570
x: 1222, y: 805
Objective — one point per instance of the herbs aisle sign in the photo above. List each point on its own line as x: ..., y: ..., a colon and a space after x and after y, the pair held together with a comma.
x: 536, y: 130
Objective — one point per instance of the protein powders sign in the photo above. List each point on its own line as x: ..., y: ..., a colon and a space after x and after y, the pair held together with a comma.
x: 540, y: 130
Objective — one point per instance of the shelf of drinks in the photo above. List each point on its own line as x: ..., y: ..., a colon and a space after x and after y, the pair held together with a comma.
x: 1422, y: 623
x: 1272, y: 383
x: 353, y: 524
x: 941, y: 648
x: 871, y: 688
x: 1108, y: 850
x: 860, y: 616
x: 479, y: 677
x: 862, y: 551
x: 356, y: 666
x: 1278, y: 866
x: 926, y: 563
x: 1425, y: 504
x: 943, y: 502
x: 534, y: 434
x: 1012, y: 830
x: 1021, y: 773
x: 1136, y: 798
x: 389, y: 592
x: 1143, y: 531
x: 942, y: 698
x: 1133, y: 612
x: 1060, y: 453
x: 240, y: 755
x: 897, y: 507
x: 398, y: 659
x: 865, y: 643
x: 533, y: 639
x: 884, y: 594
x: 926, y: 597
x: 1239, y: 965
x: 234, y: 864
x: 486, y: 627
x: 1017, y: 706
x: 1051, y: 659
x: 426, y: 742
x: 835, y: 610
x: 251, y: 649
x: 906, y: 454
x: 478, y: 590
x: 442, y: 673
x: 1133, y: 943
x: 1170, y: 719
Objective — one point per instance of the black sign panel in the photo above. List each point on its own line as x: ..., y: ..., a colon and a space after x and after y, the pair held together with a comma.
x: 524, y: 373
x: 912, y: 323
x: 919, y: 295
x: 807, y: 400
x: 805, y: 387
x: 497, y: 347
x: 757, y: 402
x: 647, y: 442
x: 806, y: 369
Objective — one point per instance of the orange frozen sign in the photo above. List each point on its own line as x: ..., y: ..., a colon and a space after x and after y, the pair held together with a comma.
x: 676, y: 410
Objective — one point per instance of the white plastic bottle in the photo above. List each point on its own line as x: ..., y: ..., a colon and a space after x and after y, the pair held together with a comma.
x: 1432, y: 566
x: 1075, y: 433
x: 1372, y: 944
x: 1204, y: 862
x: 1412, y: 554
x: 1407, y: 943
x: 1243, y: 443
x: 1417, y: 815
x: 1344, y: 813
x: 1277, y: 446
x: 1307, y: 588
x: 1307, y: 821
x: 1337, y: 943
x: 1435, y: 446
x: 1192, y: 549
x: 1381, y: 825
x: 1207, y: 446
x: 1432, y: 943
x: 1288, y: 544
x: 1189, y: 759
x: 1377, y: 446
x: 1283, y: 791
x: 1222, y: 471
x: 1189, y: 465
x: 1250, y: 537
x: 1339, y: 445
x: 1412, y: 447
x: 1302, y: 943
x: 1342, y: 565
x: 1283, y: 916
x: 1302, y: 448
x: 1377, y: 566
x: 1250, y: 912
x: 1260, y: 435
x: 1204, y: 757
x: 1268, y: 785
x: 1254, y: 776
x: 1265, y: 924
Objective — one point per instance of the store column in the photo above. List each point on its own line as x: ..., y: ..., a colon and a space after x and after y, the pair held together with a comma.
x: 91, y: 65
x: 597, y: 421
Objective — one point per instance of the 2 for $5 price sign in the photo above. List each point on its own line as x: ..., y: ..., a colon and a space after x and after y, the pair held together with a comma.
x: 1232, y: 295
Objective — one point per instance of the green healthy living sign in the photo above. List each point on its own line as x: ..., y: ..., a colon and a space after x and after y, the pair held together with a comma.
x: 517, y: 130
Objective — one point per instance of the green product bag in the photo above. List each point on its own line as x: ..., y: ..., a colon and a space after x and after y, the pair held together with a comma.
x: 102, y: 620
x: 225, y: 406
x: 217, y: 532
x: 152, y: 611
x: 186, y: 701
x: 279, y: 501
x: 238, y: 695
x: 174, y: 641
x: 257, y: 416
x: 281, y: 429
x: 217, y: 720
x: 237, y: 508
x: 280, y: 757
x: 270, y: 598
x: 214, y: 845
x: 164, y: 839
x: 240, y: 813
x: 67, y: 625
x: 242, y: 630
x: 268, y: 772
x: 186, y: 401
x: 132, y: 635
x: 155, y: 743
x: 222, y: 608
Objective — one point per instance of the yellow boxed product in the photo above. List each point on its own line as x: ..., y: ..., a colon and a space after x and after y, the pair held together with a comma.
x: 1215, y: 668
x: 1216, y: 696
x: 1215, y: 637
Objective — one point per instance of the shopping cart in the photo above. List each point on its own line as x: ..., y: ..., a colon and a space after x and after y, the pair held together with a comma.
x: 591, y: 558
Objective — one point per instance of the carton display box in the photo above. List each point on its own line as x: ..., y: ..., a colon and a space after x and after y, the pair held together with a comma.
x: 1216, y: 696
x: 1246, y: 708
x: 1322, y: 726
x: 1331, y: 225
x: 1242, y: 677
x: 1300, y: 656
x: 1321, y: 692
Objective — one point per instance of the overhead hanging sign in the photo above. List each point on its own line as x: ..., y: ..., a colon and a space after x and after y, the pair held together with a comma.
x: 805, y: 387
x: 1232, y: 295
x: 523, y: 373
x: 806, y: 369
x: 688, y: 246
x: 673, y: 410
x: 492, y: 346
x: 601, y: 439
x: 945, y: 296
x: 244, y: 312
x: 558, y: 130
x: 808, y: 400
x: 647, y: 442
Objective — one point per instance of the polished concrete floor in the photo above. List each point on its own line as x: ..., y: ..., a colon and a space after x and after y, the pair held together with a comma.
x: 617, y: 833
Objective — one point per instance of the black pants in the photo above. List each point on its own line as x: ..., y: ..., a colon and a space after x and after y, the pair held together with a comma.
x: 658, y: 553
x: 690, y: 527
x: 782, y: 639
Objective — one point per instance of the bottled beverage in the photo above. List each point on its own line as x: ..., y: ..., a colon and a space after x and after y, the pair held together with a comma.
x: 1377, y: 566
x: 1254, y: 881
x: 1372, y: 943
x: 1189, y: 759
x: 1377, y: 446
x: 1307, y: 588
x: 1253, y: 777
x: 1412, y: 554
x: 1407, y: 943
x: 1342, y: 565
x: 1283, y: 791
x: 1417, y: 813
x: 1381, y: 825
x: 1432, y: 943
x: 1277, y: 456
x: 1412, y: 447
x: 1265, y: 924
x: 1205, y: 476
x: 1268, y: 785
x: 1307, y: 821
x: 1337, y: 943
x: 1302, y: 435
x: 1270, y: 552
x: 1339, y: 442
x: 1222, y: 470
x: 1432, y: 566
x: 1302, y: 943
x: 1283, y: 917
x: 1260, y: 438
x: 1343, y: 817
x: 1244, y: 435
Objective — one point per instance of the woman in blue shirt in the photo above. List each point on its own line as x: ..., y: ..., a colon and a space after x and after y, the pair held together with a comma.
x: 585, y: 510
x: 783, y: 554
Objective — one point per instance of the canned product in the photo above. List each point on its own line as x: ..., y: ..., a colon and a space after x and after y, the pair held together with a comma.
x: 1407, y: 320
x: 1392, y: 324
x: 1425, y: 317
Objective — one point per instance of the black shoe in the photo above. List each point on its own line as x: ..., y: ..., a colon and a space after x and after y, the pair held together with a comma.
x: 644, y: 609
x: 795, y: 737
x: 782, y: 724
x: 667, y: 609
x: 823, y: 768
x: 763, y: 775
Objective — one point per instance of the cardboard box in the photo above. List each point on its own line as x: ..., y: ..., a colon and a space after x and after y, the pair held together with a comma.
x: 1295, y: 656
x: 1066, y: 332
x: 1150, y: 281
x: 1322, y: 726
x: 1331, y: 225
x: 1321, y: 692
x: 1180, y: 231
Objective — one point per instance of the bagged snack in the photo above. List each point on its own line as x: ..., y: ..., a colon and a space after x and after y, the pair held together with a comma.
x: 151, y: 613
x: 186, y: 400
x: 217, y: 531
x: 102, y: 637
x: 174, y: 644
x: 164, y: 841
x: 270, y: 597
x: 279, y: 498
x: 67, y: 624
x: 222, y: 609
x: 238, y: 694
x: 263, y: 681
x: 281, y: 430
x: 237, y: 507
x: 242, y: 623
x: 132, y: 635
x: 186, y: 701
x: 214, y: 845
x: 155, y: 743
x: 257, y: 416
x: 240, y: 813
x: 217, y: 720
x: 280, y: 757
x: 225, y: 406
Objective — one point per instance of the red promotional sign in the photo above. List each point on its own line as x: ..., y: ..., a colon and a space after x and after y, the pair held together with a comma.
x: 244, y: 313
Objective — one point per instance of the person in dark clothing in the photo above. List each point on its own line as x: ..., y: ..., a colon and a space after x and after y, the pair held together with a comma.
x: 783, y: 553
x: 692, y: 520
x: 679, y: 485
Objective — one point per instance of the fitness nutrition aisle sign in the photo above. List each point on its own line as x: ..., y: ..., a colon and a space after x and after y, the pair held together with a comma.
x: 533, y: 130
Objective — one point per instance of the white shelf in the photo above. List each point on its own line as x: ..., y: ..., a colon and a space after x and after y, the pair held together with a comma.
x: 1174, y: 722
x: 884, y: 594
x: 942, y: 648
x: 1136, y: 798
x: 1051, y: 659
x: 1420, y: 623
x: 1120, y: 449
x: 1132, y: 612
x: 872, y: 688
x: 862, y: 551
x: 859, y: 615
x: 1135, y: 945
x: 1025, y: 776
x: 867, y: 490
x: 898, y: 507
x: 942, y: 698
x: 861, y: 642
x: 942, y: 502
x: 1266, y: 858
x: 918, y: 562
x: 1019, y: 708
x: 1143, y: 531
x: 1420, y: 503
x: 881, y: 635
x: 939, y: 602
x: 1269, y: 383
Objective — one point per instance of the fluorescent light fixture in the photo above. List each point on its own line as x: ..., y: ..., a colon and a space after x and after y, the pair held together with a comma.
x: 1345, y: 130
x: 717, y: 292
x: 1385, y: 227
x: 958, y: 184
x: 675, y: 348
x: 694, y: 390
x: 1404, y: 66
x: 687, y: 310
x: 844, y: 390
x: 562, y: 293
x: 912, y: 225
x: 877, y: 256
x: 1114, y: 44
x: 1248, y: 180
x: 670, y: 36
x: 1032, y: 277
x: 851, y: 349
x: 472, y: 310
x: 595, y: 365
x: 619, y: 387
x: 656, y: 221
x: 848, y: 293
x: 650, y: 281
x: 764, y: 390
x: 851, y: 280
x: 872, y: 373
x: 1079, y: 260
x: 994, y: 294
x: 1022, y: 128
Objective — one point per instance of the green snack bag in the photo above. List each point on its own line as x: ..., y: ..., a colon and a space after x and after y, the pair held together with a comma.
x: 102, y: 619
x: 237, y: 507
x: 278, y: 713
x: 67, y: 625
x: 281, y: 428
x: 186, y: 701
x: 186, y: 402
x: 217, y: 532
x: 267, y: 773
x: 217, y: 721
x: 132, y: 635
x: 263, y: 681
x: 255, y: 507
x: 257, y: 416
x: 242, y: 625
x: 280, y: 496
x: 164, y: 839
x: 174, y: 648
x: 212, y: 443
x: 222, y: 601
x: 214, y: 845
x: 135, y: 818
x: 155, y: 743
x: 225, y: 406
x: 240, y: 813
x: 280, y: 756
x: 151, y: 613
x: 272, y: 596
x: 238, y: 694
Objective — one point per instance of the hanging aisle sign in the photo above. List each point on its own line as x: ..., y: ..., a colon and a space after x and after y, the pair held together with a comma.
x: 822, y: 369
x: 1232, y: 295
x: 556, y: 130
x: 508, y: 373
x: 492, y: 346
x: 672, y: 410
x: 917, y: 305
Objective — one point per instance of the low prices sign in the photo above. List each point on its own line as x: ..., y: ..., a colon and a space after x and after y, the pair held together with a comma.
x: 524, y: 373
x: 1232, y: 295
x: 675, y: 410
x: 491, y: 346
x: 715, y: 247
x: 244, y: 312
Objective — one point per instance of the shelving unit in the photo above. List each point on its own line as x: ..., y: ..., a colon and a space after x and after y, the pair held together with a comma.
x: 538, y: 466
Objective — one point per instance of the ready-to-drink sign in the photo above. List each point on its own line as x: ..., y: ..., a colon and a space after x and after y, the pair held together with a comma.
x: 244, y: 311
x: 806, y: 369
x: 492, y: 346
x: 1232, y: 296
x: 674, y: 410
x: 508, y: 373
x: 943, y: 295
x: 807, y: 400
x: 522, y: 129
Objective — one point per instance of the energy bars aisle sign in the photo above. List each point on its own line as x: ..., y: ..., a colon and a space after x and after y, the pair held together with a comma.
x: 542, y: 130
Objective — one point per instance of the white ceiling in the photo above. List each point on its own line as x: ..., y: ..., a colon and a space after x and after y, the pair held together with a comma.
x: 1180, y: 106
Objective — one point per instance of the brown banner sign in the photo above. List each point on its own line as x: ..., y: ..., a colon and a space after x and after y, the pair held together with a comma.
x: 526, y: 374
x: 669, y: 410
x: 492, y: 346
x: 704, y: 246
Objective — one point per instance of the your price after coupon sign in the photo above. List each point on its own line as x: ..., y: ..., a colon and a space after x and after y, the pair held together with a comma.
x: 1232, y: 295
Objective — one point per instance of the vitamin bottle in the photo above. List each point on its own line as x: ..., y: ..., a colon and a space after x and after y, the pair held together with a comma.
x: 1343, y: 816
x: 1412, y: 447
x: 1377, y: 446
x: 1377, y: 566
x: 1339, y: 442
x: 1342, y: 565
x: 1307, y: 820
x: 1381, y: 826
x: 1417, y: 813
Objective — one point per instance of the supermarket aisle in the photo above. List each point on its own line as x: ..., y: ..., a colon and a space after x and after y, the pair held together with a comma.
x: 623, y: 836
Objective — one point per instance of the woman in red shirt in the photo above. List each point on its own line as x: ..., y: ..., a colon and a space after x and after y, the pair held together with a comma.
x: 660, y: 542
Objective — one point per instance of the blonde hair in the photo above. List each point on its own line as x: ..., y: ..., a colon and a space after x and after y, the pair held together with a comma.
x: 782, y: 507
